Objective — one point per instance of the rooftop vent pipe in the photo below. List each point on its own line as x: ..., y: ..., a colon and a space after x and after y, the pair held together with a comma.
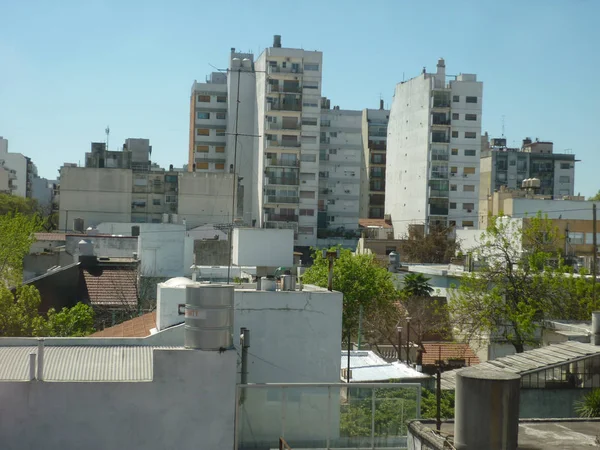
x: 277, y: 41
x: 596, y: 328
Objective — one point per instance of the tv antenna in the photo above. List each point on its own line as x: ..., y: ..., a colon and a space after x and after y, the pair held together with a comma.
x: 107, y: 131
x: 503, y: 117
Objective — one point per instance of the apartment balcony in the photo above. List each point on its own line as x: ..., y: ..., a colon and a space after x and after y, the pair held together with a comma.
x: 282, y: 181
x: 283, y: 143
x: 441, y: 122
x: 276, y: 199
x: 435, y: 210
x: 436, y: 193
x: 439, y: 175
x: 376, y: 161
x: 281, y: 217
x: 377, y: 147
x: 440, y: 139
x: 274, y: 70
x: 283, y: 126
x: 284, y: 107
x: 278, y: 162
x: 375, y: 187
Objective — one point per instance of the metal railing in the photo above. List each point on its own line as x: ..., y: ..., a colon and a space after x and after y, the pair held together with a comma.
x: 284, y: 107
x: 282, y: 162
x: 280, y: 126
x: 325, y: 415
x: 281, y: 218
x: 441, y: 122
x: 285, y: 181
x: 279, y: 69
x: 281, y: 199
x: 283, y: 143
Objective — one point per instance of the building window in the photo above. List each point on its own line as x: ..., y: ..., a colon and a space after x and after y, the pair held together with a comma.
x: 454, y: 151
x: 220, y: 132
x: 456, y: 98
x: 469, y: 206
x: 454, y: 169
x: 455, y: 134
x: 220, y: 149
x: 202, y: 132
x: 306, y: 230
x: 156, y: 201
x: 202, y: 148
x: 219, y: 166
x: 202, y: 115
x: 471, y: 99
x: 170, y: 199
x: 564, y: 179
x: 452, y: 205
x: 307, y: 157
x: 307, y: 212
x: 565, y: 165
x: 311, y: 85
x: 309, y: 139
x: 307, y: 194
x: 331, y: 201
x: 201, y: 165
x: 453, y: 187
x: 577, y: 238
x: 313, y: 67
x: 467, y: 223
x: 469, y: 170
x: 221, y: 116
x: 309, y: 105
x: 204, y: 98
x: 312, y: 121
x: 470, y: 116
x: 470, y: 134
x: 221, y: 99
x: 512, y: 162
x: 469, y: 188
x: 455, y: 116
x: 470, y: 152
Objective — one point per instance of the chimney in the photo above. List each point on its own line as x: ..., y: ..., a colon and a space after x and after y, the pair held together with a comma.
x: 486, y: 410
x: 380, y: 103
x: 595, y: 339
x: 40, y: 359
x: 277, y: 41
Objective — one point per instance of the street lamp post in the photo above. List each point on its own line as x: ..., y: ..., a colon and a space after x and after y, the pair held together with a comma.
x: 399, y: 330
x: 408, y: 341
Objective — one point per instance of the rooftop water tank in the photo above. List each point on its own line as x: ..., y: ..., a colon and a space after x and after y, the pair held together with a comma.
x: 209, y: 317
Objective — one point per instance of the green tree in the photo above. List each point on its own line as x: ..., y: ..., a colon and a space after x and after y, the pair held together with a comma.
x: 590, y: 405
x: 435, y: 246
x: 417, y: 285
x: 521, y: 281
x: 595, y: 198
x: 361, y: 279
x: 17, y: 233
x: 15, y: 204
x: 75, y: 321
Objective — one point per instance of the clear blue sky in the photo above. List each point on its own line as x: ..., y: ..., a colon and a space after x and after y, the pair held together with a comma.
x: 69, y: 68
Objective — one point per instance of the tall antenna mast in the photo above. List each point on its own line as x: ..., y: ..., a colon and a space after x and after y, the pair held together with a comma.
x: 503, y: 125
x: 107, y: 131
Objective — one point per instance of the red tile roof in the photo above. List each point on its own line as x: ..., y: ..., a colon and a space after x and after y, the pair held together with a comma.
x: 111, y: 286
x: 50, y: 236
x: 449, y: 350
x: 378, y: 223
x: 137, y: 327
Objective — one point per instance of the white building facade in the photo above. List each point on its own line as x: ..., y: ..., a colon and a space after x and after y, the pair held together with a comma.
x: 19, y: 170
x: 433, y: 150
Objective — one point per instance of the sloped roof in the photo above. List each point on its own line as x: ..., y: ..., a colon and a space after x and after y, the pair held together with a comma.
x: 50, y: 236
x: 531, y: 361
x: 111, y: 286
x: 136, y: 327
x: 378, y: 223
x: 366, y: 366
x: 447, y: 351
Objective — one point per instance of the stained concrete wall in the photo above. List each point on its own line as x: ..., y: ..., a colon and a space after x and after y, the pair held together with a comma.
x: 189, y: 404
x: 550, y: 403
x: 211, y: 253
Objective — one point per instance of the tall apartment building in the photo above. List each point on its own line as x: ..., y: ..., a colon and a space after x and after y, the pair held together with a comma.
x: 340, y: 156
x: 18, y: 172
x: 502, y: 166
x: 372, y: 178
x: 433, y: 150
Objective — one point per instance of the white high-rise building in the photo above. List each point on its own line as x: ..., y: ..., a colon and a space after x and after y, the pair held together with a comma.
x: 18, y: 169
x: 433, y: 150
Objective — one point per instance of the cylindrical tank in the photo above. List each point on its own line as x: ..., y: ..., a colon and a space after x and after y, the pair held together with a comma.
x: 208, y: 317
x: 288, y: 283
x: 86, y: 248
x: 268, y: 284
x: 596, y: 328
x: 486, y: 410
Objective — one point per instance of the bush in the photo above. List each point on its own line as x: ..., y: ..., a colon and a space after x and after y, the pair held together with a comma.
x: 590, y: 405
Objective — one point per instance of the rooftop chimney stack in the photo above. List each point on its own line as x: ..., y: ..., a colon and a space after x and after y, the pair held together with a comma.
x: 277, y: 41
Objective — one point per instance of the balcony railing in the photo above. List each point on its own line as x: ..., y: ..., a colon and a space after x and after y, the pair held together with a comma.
x: 377, y: 187
x: 438, y: 210
x: 441, y: 122
x: 285, y: 181
x: 282, y: 162
x: 281, y: 218
x: 336, y: 415
x: 279, y: 69
x: 377, y: 160
x: 440, y: 139
x: 283, y: 143
x: 282, y: 126
x: 284, y: 107
x: 441, y: 104
x: 281, y: 199
x: 439, y: 175
x: 438, y: 194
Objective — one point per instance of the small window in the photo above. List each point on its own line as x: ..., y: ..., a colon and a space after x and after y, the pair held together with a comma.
x: 312, y: 121
x: 452, y: 205
x: 204, y: 98
x: 221, y: 116
x: 220, y: 149
x: 331, y: 201
x: 307, y: 212
x: 512, y: 162
x: 310, y: 105
x: 565, y: 165
x: 564, y: 179
x: 156, y: 201
x: 333, y: 134
x: 469, y: 206
x: 309, y: 139
x: 469, y: 188
x: 470, y: 152
x: 467, y: 223
x: 456, y: 98
x: 305, y: 230
x: 202, y: 165
x: 307, y: 194
x: 221, y: 99
x: 202, y: 132
x: 470, y: 116
x: 454, y: 169
x: 219, y: 166
x: 307, y: 157
x: 454, y: 151
x: 455, y: 116
x: 471, y: 99
x: 455, y: 134
x: 453, y: 187
x: 470, y: 134
x: 202, y: 148
x: 202, y: 115
x: 469, y: 170
x: 220, y: 132
x: 312, y: 67
x: 311, y: 85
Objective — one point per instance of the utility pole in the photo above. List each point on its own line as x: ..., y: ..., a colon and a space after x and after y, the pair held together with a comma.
x: 237, y: 112
x: 595, y: 249
x: 438, y: 391
x: 399, y: 330
x: 360, y: 319
x: 331, y: 256
x: 408, y: 341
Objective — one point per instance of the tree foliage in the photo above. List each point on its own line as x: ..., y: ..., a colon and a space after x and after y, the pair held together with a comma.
x: 16, y: 236
x: 363, y: 282
x: 521, y: 281
x: 417, y: 285
x: 595, y: 198
x: 590, y: 405
x: 434, y: 247
x: 16, y: 204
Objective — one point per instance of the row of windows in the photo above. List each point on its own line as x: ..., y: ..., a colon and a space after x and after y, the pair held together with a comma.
x: 155, y: 201
x: 466, y: 170
x: 468, y: 134
x: 470, y: 117
x: 206, y: 132
x: 306, y: 230
x: 206, y: 148
x: 307, y: 66
x: 207, y: 98
x: 466, y: 187
x: 468, y: 99
x: 466, y: 206
x: 206, y: 115
x: 205, y: 166
x: 464, y: 223
x: 454, y: 152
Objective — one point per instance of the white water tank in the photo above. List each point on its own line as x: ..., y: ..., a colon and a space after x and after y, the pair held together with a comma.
x: 268, y: 284
x: 209, y: 317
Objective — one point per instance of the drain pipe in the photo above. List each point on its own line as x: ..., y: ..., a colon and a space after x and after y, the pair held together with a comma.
x: 40, y: 360
x: 32, y: 358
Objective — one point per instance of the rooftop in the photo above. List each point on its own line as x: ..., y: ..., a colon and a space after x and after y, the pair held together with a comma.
x: 108, y: 286
x: 366, y: 366
x: 138, y: 327
x: 50, y: 236
x: 445, y: 351
x: 531, y: 361
x: 374, y: 223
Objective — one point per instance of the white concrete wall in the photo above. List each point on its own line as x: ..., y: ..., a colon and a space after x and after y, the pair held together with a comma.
x: 95, y: 195
x: 42, y: 192
x: 4, y: 177
x: 263, y: 247
x: 204, y: 198
x: 565, y: 209
x: 564, y: 187
x: 18, y: 163
x: 189, y: 404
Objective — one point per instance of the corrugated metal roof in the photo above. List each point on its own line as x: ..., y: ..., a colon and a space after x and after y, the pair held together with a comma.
x: 367, y: 366
x: 531, y: 361
x: 81, y: 363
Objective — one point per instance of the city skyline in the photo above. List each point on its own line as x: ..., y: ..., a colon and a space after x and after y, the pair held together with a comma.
x: 139, y: 72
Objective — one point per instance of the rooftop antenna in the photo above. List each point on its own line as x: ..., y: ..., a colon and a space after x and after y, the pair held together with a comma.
x: 107, y: 131
x: 503, y: 125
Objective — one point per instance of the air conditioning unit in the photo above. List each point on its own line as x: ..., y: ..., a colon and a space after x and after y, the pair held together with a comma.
x: 347, y: 191
x: 468, y: 210
x: 452, y: 174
